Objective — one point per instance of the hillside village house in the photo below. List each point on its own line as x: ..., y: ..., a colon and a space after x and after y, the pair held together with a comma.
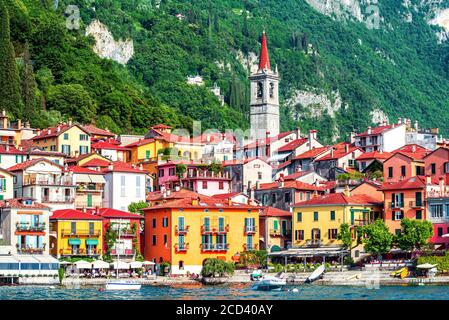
x: 296, y: 147
x: 147, y: 149
x: 305, y: 161
x: 198, y: 178
x: 316, y: 222
x: 13, y: 133
x: 247, y: 173
x: 266, y: 147
x: 237, y: 197
x: 68, y: 138
x: 188, y: 231
x: 45, y: 181
x: 275, y: 229
x: 111, y: 149
x: 76, y: 234
x: 367, y: 159
x: 6, y: 184
x: 310, y: 177
x: 24, y: 239
x: 217, y: 146
x: 90, y: 186
x: 97, y: 134
x: 125, y: 184
x: 405, y: 162
x: 437, y: 163
x: 386, y: 137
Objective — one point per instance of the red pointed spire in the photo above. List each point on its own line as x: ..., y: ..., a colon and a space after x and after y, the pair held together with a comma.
x: 264, y: 61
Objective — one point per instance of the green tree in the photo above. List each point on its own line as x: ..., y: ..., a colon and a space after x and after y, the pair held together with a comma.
x: 345, y: 235
x: 377, y: 239
x: 214, y: 267
x: 44, y: 79
x: 28, y: 86
x: 10, y: 98
x: 414, y: 234
x: 136, y: 207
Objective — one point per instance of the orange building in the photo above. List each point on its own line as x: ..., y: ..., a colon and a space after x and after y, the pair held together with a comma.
x: 370, y: 188
x: 188, y: 231
x: 406, y: 162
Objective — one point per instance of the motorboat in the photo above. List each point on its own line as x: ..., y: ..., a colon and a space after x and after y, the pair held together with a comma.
x: 317, y: 274
x: 256, y: 275
x: 268, y: 282
x: 123, y: 285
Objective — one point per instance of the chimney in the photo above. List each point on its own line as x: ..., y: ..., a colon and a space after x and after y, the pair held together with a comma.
x: 346, y: 148
x: 38, y: 131
x: 110, y: 167
x: 164, y: 193
x: 332, y: 152
x: 70, y: 122
x: 58, y: 129
x: 408, y: 123
x: 352, y: 137
x: 19, y: 124
x: 177, y: 188
x: 428, y: 180
x: 7, y: 148
x: 399, y: 120
x: 49, y: 131
x: 347, y: 192
x: 416, y: 125
x: 369, y: 130
x: 168, y: 192
x: 27, y: 124
x: 298, y: 133
x: 413, y: 148
x: 140, y: 167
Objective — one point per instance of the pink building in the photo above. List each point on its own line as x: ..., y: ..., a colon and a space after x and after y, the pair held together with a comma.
x: 198, y: 178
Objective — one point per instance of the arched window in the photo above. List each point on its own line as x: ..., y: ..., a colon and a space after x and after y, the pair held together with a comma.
x: 271, y: 89
x: 259, y: 89
x: 181, y: 265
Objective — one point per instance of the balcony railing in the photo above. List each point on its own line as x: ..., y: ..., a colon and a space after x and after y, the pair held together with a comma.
x: 27, y: 249
x: 85, y: 204
x: 80, y: 233
x: 65, y: 181
x: 395, y: 205
x: 280, y: 233
x: 214, y: 247
x: 123, y: 252
x: 80, y: 252
x: 54, y: 199
x: 250, y: 229
x: 25, y: 226
x: 181, y: 230
x: 361, y: 222
x: 249, y: 247
x: 313, y: 243
x: 214, y: 229
x: 181, y: 247
x: 416, y: 204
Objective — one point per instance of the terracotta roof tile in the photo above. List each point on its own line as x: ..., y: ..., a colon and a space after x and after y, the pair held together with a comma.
x: 93, y: 130
x: 274, y: 212
x: 293, y: 145
x: 17, y: 203
x: 313, y: 153
x: 71, y: 214
x: 339, y: 199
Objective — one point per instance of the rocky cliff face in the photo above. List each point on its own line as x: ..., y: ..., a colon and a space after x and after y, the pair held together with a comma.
x: 105, y: 45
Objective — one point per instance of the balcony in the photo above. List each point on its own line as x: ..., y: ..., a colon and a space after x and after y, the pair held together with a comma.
x: 247, y: 247
x: 214, y: 229
x: 181, y: 230
x: 416, y: 204
x: 361, y: 222
x: 48, y: 181
x: 250, y: 229
x: 80, y: 252
x: 80, y: 203
x: 80, y: 233
x: 123, y: 252
x: 181, y: 247
x: 27, y: 227
x: 313, y: 243
x: 27, y: 249
x: 395, y: 205
x: 215, y: 247
x: 56, y: 199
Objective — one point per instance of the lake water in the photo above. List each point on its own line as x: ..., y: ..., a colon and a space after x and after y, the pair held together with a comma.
x: 305, y: 292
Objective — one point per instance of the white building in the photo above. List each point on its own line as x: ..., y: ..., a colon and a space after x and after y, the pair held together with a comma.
x: 247, y: 173
x: 6, y: 184
x: 45, y: 181
x: 385, y: 137
x: 125, y: 184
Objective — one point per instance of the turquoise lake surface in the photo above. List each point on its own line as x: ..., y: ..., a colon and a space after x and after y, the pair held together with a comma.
x: 303, y: 292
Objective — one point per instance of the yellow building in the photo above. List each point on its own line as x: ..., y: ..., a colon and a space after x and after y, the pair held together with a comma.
x: 188, y: 231
x: 275, y: 229
x: 147, y: 149
x: 75, y: 234
x: 6, y: 184
x: 316, y: 222
x: 91, y: 160
x: 68, y: 138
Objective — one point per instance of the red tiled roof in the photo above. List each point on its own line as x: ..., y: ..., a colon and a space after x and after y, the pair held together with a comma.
x: 339, y: 152
x: 293, y: 145
x: 241, y: 161
x: 108, y: 145
x: 274, y: 212
x: 203, y: 203
x: 263, y: 142
x: 339, y: 199
x: 53, y: 131
x: 93, y: 130
x: 119, y: 166
x: 29, y: 163
x: 311, y: 153
x: 140, y: 142
x: 11, y: 150
x: 416, y: 182
x: 161, y: 126
x: 412, y: 151
x: 113, y: 213
x: 284, y: 164
x: 374, y: 155
x: 225, y: 196
x: 18, y: 204
x: 182, y: 193
x: 375, y: 131
x: 297, y: 175
x: 96, y: 163
x: 71, y: 214
x: 81, y: 170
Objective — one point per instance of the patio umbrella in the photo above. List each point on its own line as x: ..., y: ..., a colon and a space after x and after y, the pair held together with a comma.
x: 446, y: 235
x: 120, y: 265
x: 135, y: 264
x: 426, y: 266
x: 100, y: 264
x: 148, y: 263
x: 62, y: 263
x: 81, y: 264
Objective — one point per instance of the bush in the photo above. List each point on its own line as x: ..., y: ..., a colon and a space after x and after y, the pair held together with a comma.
x: 61, y: 274
x: 217, y: 268
x: 163, y: 266
x: 442, y: 262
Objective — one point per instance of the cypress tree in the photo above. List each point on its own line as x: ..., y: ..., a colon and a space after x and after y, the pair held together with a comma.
x: 9, y: 77
x: 28, y: 86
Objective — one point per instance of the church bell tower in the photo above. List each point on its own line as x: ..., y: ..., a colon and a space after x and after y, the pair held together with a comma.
x: 264, y: 102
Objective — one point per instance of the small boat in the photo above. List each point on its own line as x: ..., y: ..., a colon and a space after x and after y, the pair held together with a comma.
x: 268, y: 283
x: 317, y: 274
x: 123, y: 285
x: 402, y: 273
x: 256, y: 275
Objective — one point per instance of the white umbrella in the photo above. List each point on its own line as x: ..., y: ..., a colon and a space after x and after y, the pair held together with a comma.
x: 120, y: 265
x: 426, y: 266
x: 148, y: 263
x: 64, y: 263
x: 135, y: 264
x: 446, y: 235
x: 100, y: 264
x: 81, y: 264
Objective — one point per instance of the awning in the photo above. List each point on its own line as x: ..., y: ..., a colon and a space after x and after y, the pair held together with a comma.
x: 279, y: 156
x: 97, y: 178
x: 100, y: 264
x: 82, y: 178
x: 81, y: 264
x: 91, y: 242
x: 7, y: 133
x: 135, y: 264
x: 426, y: 266
x: 120, y: 265
x: 74, y: 241
x: 275, y: 248
x: 148, y: 263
